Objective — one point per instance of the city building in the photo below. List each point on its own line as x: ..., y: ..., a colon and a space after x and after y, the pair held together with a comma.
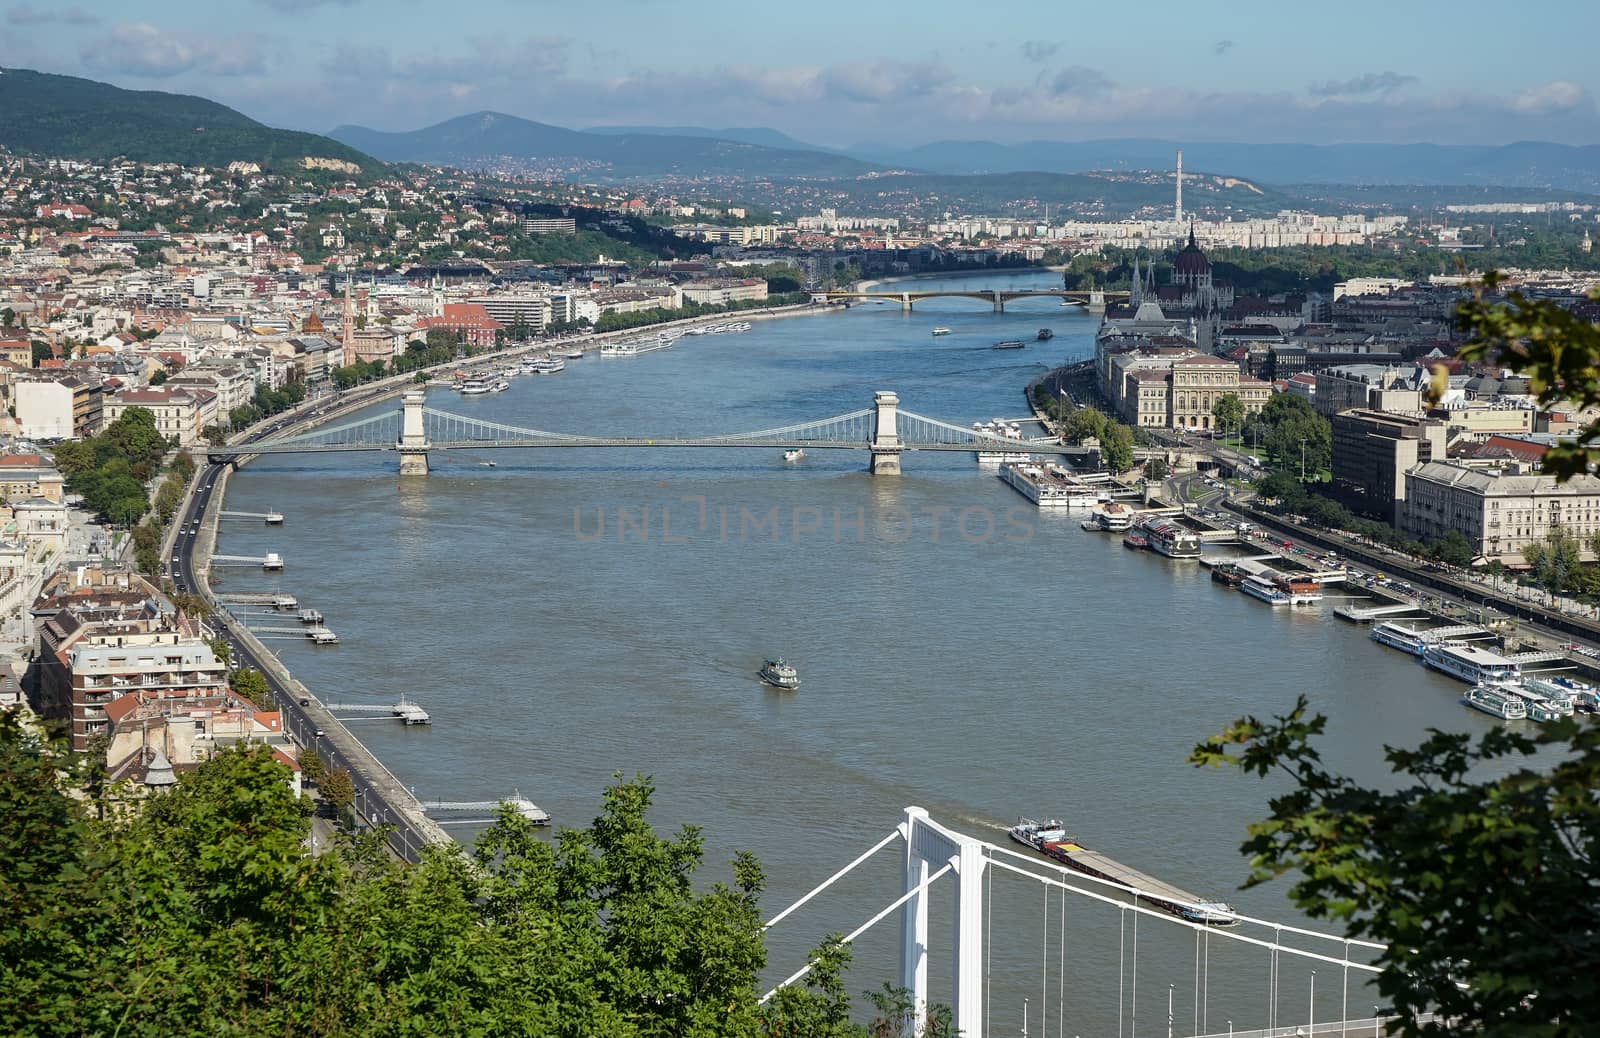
x: 549, y: 225
x: 469, y: 322
x: 181, y: 414
x: 57, y: 407
x: 1380, y: 387
x: 1499, y: 514
x: 719, y: 291
x: 29, y: 475
x: 1373, y: 450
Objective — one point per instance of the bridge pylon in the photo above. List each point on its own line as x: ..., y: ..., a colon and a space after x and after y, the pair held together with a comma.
x: 413, y: 445
x: 999, y: 304
x: 905, y: 302
x: 885, y: 445
x: 1097, y: 301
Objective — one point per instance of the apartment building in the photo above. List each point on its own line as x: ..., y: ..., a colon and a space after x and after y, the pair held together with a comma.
x: 180, y: 414
x: 1373, y: 450
x: 1499, y: 514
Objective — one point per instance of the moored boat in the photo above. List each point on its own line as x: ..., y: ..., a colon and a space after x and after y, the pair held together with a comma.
x: 1228, y: 575
x: 1469, y: 663
x: 1171, y: 539
x: 1258, y: 586
x: 1399, y: 636
x: 1496, y: 701
x: 1135, y: 541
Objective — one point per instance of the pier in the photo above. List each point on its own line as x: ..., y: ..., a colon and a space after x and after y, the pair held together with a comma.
x: 269, y: 518
x: 276, y: 602
x: 405, y: 710
x: 535, y: 814
x: 271, y: 561
x: 1364, y: 615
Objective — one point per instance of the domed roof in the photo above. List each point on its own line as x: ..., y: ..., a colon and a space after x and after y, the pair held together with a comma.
x: 1191, y: 260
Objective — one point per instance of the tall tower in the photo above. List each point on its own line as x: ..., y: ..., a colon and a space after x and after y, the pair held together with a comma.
x: 349, y: 317
x: 1178, y: 209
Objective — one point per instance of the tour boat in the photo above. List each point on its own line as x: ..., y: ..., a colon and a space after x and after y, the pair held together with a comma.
x: 474, y: 387
x: 1469, y: 662
x: 1399, y: 636
x: 499, y: 386
x: 793, y: 454
x: 779, y: 674
x: 573, y: 354
x: 1009, y: 344
x: 548, y: 365
x: 1546, y: 700
x: 1111, y: 518
x: 1000, y: 429
x: 1258, y: 586
x: 1171, y: 539
x: 1301, y: 590
x: 1228, y: 575
x: 941, y: 330
x: 1496, y: 701
x: 1045, y: 335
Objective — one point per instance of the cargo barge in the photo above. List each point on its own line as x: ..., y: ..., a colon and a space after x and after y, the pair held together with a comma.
x: 1050, y: 839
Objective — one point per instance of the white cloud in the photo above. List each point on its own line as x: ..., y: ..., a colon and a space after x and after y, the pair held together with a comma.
x: 1559, y: 95
x: 143, y: 50
x: 1364, y: 85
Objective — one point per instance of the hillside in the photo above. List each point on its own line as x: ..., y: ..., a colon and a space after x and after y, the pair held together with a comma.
x: 68, y: 117
x: 1529, y: 164
x: 492, y: 138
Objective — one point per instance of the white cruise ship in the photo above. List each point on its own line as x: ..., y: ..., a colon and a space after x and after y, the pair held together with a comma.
x: 1399, y: 636
x: 1469, y: 663
x: 1496, y: 701
x: 1258, y: 586
x: 1003, y: 430
x: 1171, y: 539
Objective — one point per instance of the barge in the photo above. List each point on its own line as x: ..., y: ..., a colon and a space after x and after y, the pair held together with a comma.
x: 1050, y: 839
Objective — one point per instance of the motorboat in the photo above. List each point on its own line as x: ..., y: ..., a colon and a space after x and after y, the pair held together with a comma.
x: 779, y: 674
x: 1045, y: 335
x: 941, y: 330
x: 793, y: 454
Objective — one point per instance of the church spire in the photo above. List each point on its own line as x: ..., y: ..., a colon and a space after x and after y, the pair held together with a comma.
x: 349, y: 327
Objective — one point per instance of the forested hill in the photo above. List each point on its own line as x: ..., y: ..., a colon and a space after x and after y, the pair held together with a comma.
x: 68, y: 117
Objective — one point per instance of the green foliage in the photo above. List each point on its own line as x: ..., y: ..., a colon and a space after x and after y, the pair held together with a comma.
x: 1481, y: 889
x: 252, y: 685
x: 265, y: 403
x: 66, y: 117
x: 640, y: 318
x: 1292, y: 434
x: 1557, y: 349
x: 1452, y: 549
x: 110, y: 470
x: 42, y: 352
x: 337, y: 788
x: 1116, y: 447
x: 1156, y: 469
x: 312, y: 767
x: 354, y: 374
x: 1228, y: 412
x: 1554, y: 562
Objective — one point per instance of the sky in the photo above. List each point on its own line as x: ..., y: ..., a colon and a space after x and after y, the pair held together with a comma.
x: 838, y: 73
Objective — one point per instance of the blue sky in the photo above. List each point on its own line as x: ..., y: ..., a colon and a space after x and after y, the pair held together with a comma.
x: 841, y: 73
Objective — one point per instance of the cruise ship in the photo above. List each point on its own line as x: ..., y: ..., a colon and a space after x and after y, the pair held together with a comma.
x: 1545, y: 700
x: 1496, y: 701
x: 474, y: 387
x: 1050, y: 486
x: 1003, y: 430
x: 1171, y: 539
x: 1258, y: 586
x: 1399, y: 636
x: 1109, y: 518
x: 1469, y: 663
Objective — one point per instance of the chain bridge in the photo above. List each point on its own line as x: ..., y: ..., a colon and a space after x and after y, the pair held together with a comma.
x: 414, y: 429
x: 1183, y: 967
x: 1094, y: 299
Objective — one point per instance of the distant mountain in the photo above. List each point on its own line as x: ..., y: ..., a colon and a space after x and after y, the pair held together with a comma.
x: 67, y: 117
x: 472, y: 141
x: 1531, y: 164
x: 762, y: 136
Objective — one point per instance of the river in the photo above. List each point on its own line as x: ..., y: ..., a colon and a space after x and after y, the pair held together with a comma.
x: 959, y: 651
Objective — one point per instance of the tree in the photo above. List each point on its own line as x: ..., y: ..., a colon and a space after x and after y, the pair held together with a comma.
x: 312, y: 767
x: 1156, y: 469
x: 1554, y: 561
x: 337, y: 788
x: 1453, y: 549
x: 1228, y: 412
x: 1116, y: 447
x: 252, y: 685
x: 159, y: 378
x: 1481, y: 889
x: 1083, y: 424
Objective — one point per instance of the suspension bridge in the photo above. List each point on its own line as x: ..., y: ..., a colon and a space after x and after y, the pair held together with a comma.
x: 415, y: 429
x: 1195, y: 966
x: 1093, y: 299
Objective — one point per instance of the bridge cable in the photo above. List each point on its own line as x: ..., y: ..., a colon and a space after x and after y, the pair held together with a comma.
x: 1197, y: 982
x: 1344, y: 1003
x: 825, y: 884
x: 1133, y: 997
x: 1122, y: 961
x: 1277, y: 977
x: 1061, y: 974
x: 1205, y: 988
x: 1044, y: 965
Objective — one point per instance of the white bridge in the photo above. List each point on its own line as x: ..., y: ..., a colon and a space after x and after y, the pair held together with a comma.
x: 1191, y: 960
x: 415, y: 429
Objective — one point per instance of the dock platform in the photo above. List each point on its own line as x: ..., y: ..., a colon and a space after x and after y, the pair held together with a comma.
x: 1367, y: 614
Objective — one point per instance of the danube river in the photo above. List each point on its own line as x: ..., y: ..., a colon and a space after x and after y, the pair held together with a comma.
x: 566, y: 615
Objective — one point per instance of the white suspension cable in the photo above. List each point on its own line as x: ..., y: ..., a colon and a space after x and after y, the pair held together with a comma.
x: 1122, y: 958
x: 825, y: 884
x: 1044, y: 966
x: 1061, y: 974
x: 863, y: 928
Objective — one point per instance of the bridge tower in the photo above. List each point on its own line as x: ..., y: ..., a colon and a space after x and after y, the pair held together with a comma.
x: 999, y: 304
x: 413, y: 445
x: 1097, y: 301
x: 931, y: 845
x: 885, y: 441
x: 905, y: 302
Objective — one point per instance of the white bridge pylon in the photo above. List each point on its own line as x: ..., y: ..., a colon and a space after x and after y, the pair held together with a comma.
x: 933, y: 851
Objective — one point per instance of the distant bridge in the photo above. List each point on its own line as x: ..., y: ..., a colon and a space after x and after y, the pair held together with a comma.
x: 415, y: 429
x: 1094, y: 298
